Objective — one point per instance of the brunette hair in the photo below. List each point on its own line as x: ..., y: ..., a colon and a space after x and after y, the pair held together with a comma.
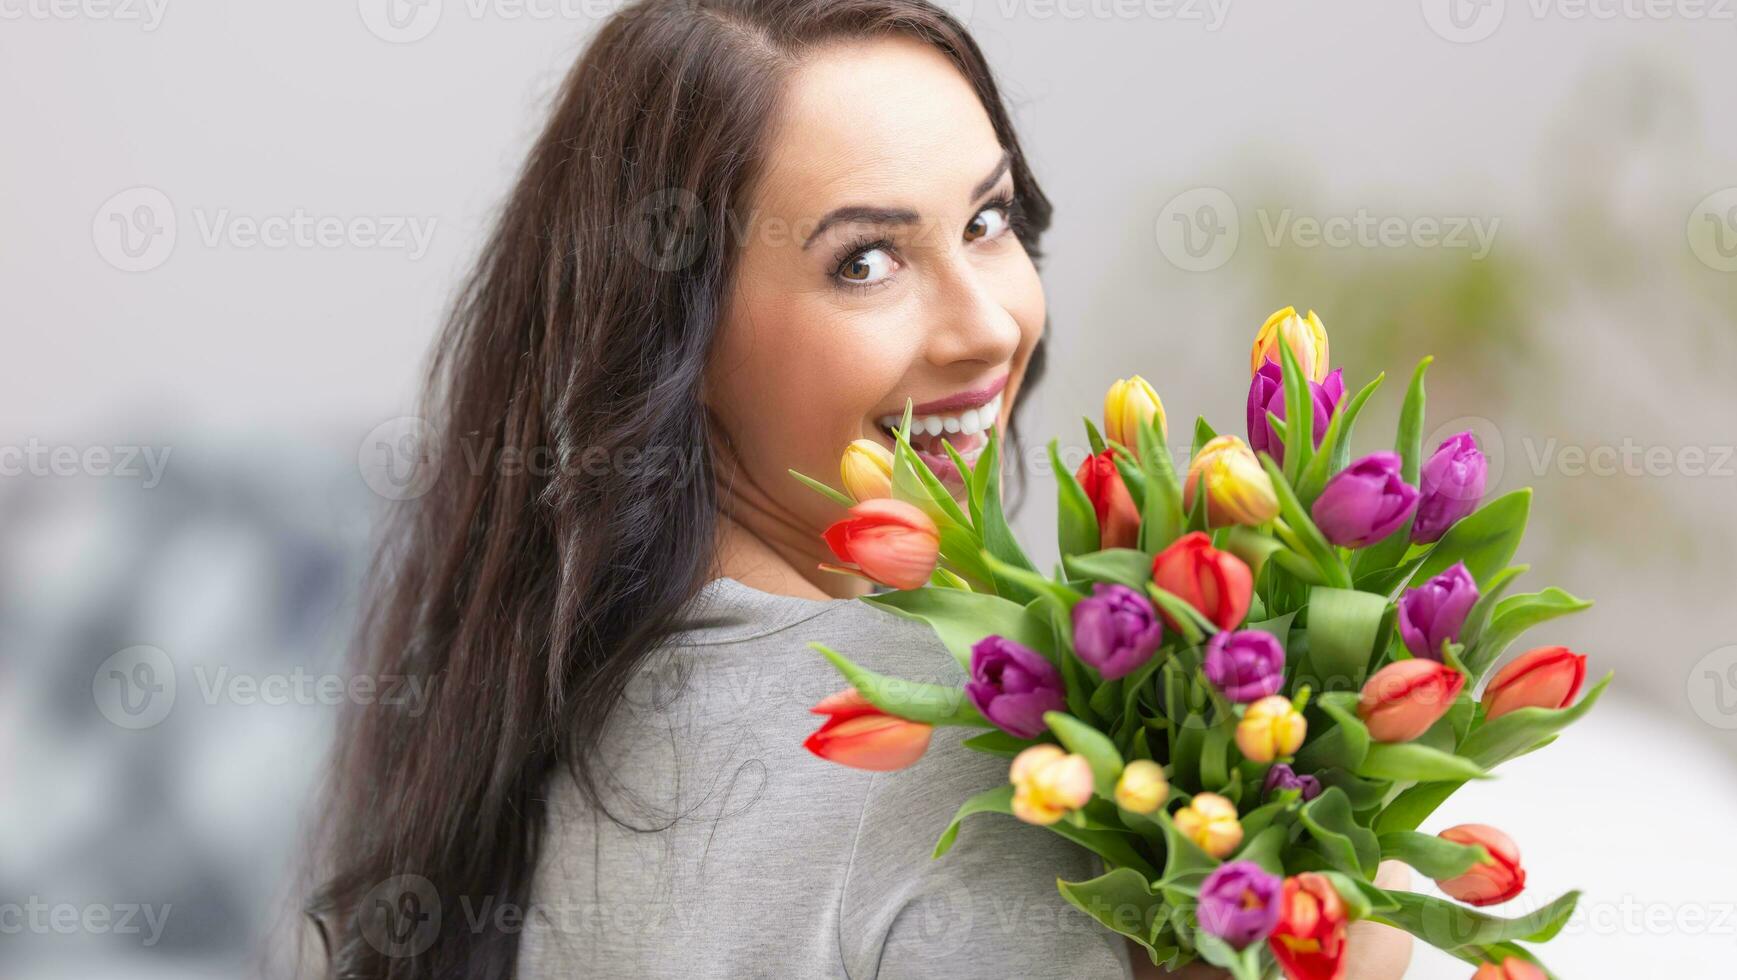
x: 526, y: 596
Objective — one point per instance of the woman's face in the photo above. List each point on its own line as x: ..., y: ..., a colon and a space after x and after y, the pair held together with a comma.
x: 878, y: 265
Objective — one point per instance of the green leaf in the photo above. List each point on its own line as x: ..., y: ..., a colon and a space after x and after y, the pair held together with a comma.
x: 1100, y: 753
x: 1449, y: 926
x: 1058, y: 595
x: 998, y: 538
x: 915, y: 483
x: 837, y: 497
x: 997, y: 800
x: 1345, y: 744
x: 1516, y: 732
x: 1335, y: 450
x: 1432, y: 856
x: 1514, y: 616
x: 1348, y: 846
x: 1094, y: 438
x: 1243, y: 964
x: 1112, y: 846
x: 1161, y: 518
x: 1122, y: 901
x: 1486, y: 540
x: 1410, y: 762
x: 1076, y: 521
x: 997, y: 742
x: 1314, y: 544
x: 1123, y: 566
x: 972, y: 502
x: 930, y: 704
x: 1355, y: 892
x: 1408, y: 443
x: 1203, y: 434
x: 1343, y: 625
x: 1299, y: 415
x: 1413, y: 806
x: 1187, y: 619
x: 961, y: 619
x: 1265, y: 849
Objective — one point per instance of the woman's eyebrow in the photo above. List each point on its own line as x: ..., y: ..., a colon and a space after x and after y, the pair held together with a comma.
x: 863, y: 214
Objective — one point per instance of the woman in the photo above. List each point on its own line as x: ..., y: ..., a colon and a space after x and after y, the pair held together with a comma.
x: 750, y: 232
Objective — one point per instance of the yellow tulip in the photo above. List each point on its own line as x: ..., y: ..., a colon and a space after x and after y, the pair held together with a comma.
x: 1131, y: 403
x: 1142, y: 787
x: 1306, y: 337
x: 1209, y: 820
x: 1238, y: 490
x: 1271, y: 729
x: 867, y: 470
x: 1048, y: 784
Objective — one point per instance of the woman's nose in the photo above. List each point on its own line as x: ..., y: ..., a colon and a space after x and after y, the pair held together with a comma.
x: 971, y: 323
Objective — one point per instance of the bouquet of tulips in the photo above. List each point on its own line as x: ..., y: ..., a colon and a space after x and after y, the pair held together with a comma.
x: 1243, y: 688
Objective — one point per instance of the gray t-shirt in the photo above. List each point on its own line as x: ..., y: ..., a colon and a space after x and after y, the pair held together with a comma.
x: 743, y: 855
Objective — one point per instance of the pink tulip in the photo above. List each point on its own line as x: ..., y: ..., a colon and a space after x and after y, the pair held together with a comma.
x: 1404, y: 698
x: 1547, y: 677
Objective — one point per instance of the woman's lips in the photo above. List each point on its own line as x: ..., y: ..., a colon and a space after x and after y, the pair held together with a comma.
x: 969, y: 422
x: 963, y: 400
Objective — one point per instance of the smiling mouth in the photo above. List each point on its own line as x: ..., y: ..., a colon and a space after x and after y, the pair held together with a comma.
x: 966, y: 429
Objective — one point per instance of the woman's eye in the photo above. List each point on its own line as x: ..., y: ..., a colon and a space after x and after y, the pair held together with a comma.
x: 988, y: 223
x: 867, y: 268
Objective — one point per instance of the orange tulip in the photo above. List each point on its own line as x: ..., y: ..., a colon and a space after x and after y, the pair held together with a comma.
x: 887, y: 541
x: 1547, y: 677
x: 1488, y: 882
x: 1404, y: 698
x: 862, y: 736
x: 1309, y: 941
x: 1215, y: 582
x: 1118, y: 521
x: 1512, y: 968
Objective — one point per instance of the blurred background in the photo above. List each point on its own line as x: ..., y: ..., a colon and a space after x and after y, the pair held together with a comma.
x: 231, y: 229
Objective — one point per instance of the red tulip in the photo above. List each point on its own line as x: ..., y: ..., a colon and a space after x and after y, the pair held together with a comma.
x: 1547, y: 677
x: 1309, y: 941
x: 1512, y: 968
x: 888, y: 541
x: 1488, y: 882
x: 860, y: 735
x: 1404, y: 698
x: 1118, y: 521
x: 1212, y: 581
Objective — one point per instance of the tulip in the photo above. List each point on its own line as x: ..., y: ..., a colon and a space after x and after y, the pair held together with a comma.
x: 1239, y: 903
x: 1451, y: 481
x: 1271, y: 728
x: 1128, y: 405
x: 1512, y: 968
x: 1306, y: 337
x: 1238, y: 490
x: 1013, y: 685
x: 1282, y: 777
x: 1487, y: 882
x: 860, y: 735
x: 1214, y: 582
x: 1547, y: 677
x: 1434, y: 612
x: 1142, y: 787
x: 1116, y: 630
x: 1118, y: 519
x: 867, y: 470
x: 1209, y: 820
x: 888, y: 541
x: 1364, y: 502
x: 1309, y: 940
x: 1266, y: 393
x: 1049, y: 783
x: 1404, y: 698
x: 1246, y: 665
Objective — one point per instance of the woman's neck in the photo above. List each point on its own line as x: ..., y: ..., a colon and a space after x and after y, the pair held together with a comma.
x: 765, y: 561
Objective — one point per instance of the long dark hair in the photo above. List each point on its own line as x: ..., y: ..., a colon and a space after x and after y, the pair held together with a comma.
x: 525, y: 595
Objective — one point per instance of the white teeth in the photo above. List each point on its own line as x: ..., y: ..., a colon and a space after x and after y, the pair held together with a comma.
x: 933, y: 424
x: 969, y: 422
x: 950, y: 424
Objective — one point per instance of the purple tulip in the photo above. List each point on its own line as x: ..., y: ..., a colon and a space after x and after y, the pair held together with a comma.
x: 1116, y: 630
x: 1266, y: 393
x: 1364, y: 502
x: 1013, y: 686
x: 1452, y: 481
x: 1246, y: 665
x: 1436, y: 610
x: 1239, y: 903
x: 1282, y: 777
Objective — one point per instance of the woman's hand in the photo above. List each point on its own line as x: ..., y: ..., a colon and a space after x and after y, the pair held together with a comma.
x: 1377, y: 952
